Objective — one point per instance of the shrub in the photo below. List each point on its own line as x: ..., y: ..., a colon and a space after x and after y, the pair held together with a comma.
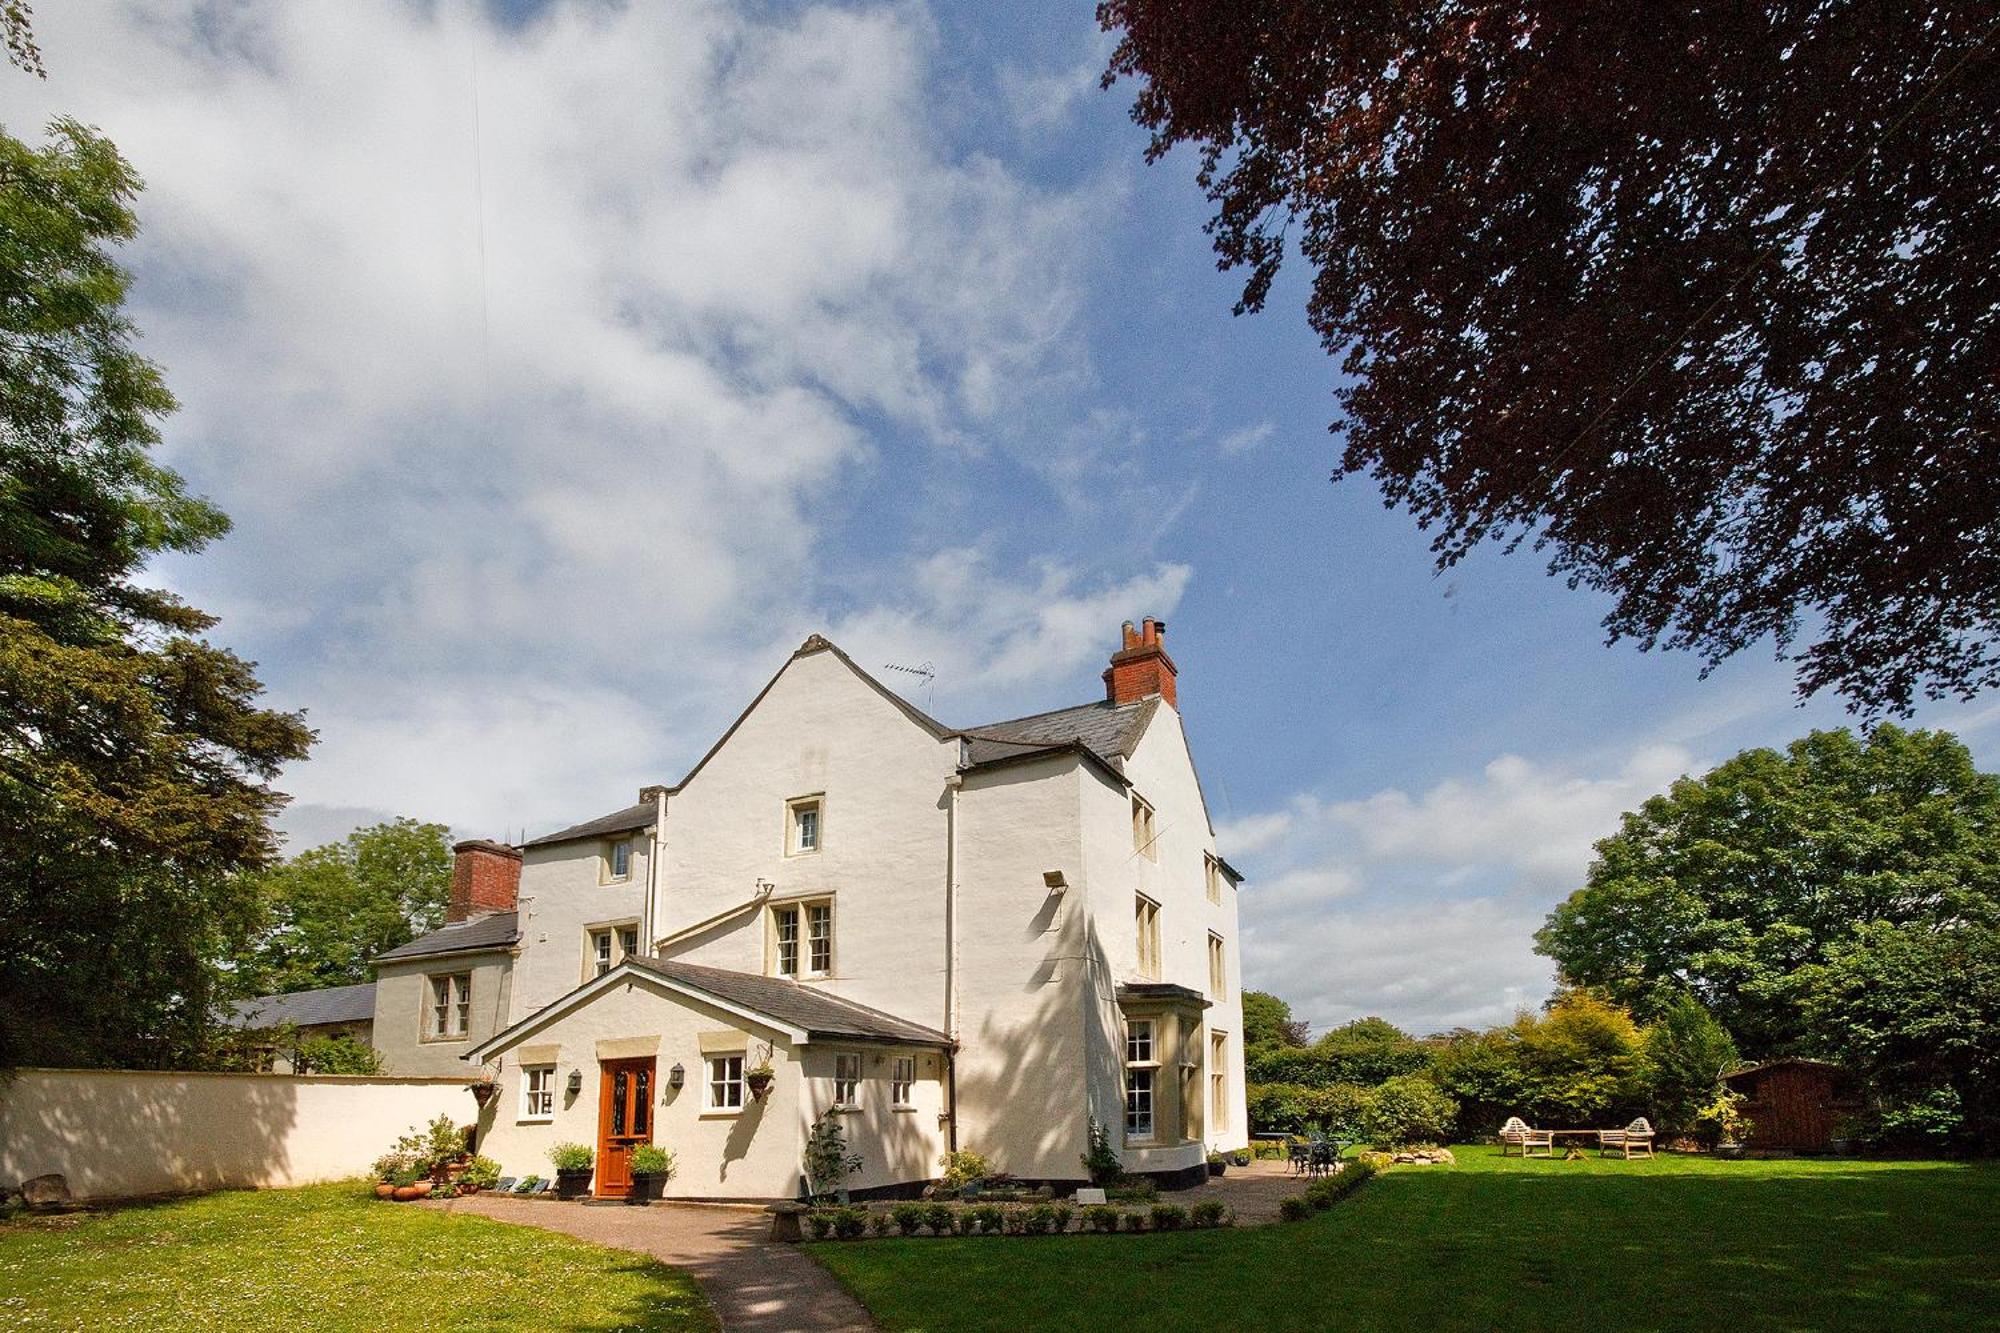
x: 1409, y: 1109
x: 1321, y: 1194
x: 1135, y: 1221
x: 572, y: 1157
x: 821, y: 1223
x: 879, y: 1224
x: 342, y: 1054
x: 1059, y: 1216
x: 908, y: 1217
x: 1169, y: 1217
x: 481, y: 1171
x: 962, y: 1168
x: 989, y: 1217
x: 850, y: 1223
x: 1294, y: 1209
x: 828, y: 1163
x: 1241, y: 1157
x: 1014, y: 1221
x: 1101, y: 1217
x: 940, y: 1219
x: 1100, y: 1159
x: 1208, y: 1213
x: 389, y: 1163
x: 652, y: 1160
x: 1038, y: 1220
x: 1133, y: 1189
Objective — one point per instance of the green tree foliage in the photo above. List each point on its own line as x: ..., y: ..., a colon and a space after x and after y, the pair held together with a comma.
x: 17, y: 34
x: 1482, y: 1072
x: 1696, y: 298
x: 1407, y: 1109
x: 134, y: 760
x: 1366, y: 1051
x: 1268, y: 1021
x: 330, y: 910
x: 1582, y: 1062
x: 339, y: 1054
x: 1731, y: 883
x: 1916, y: 1011
x: 1687, y: 1053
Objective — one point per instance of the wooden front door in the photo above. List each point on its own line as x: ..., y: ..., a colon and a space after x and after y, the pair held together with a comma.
x: 624, y: 1121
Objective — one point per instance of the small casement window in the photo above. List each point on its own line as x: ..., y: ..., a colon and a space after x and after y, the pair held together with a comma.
x: 607, y: 946
x: 802, y: 834
x: 538, y: 1092
x: 903, y: 1080
x: 600, y: 951
x: 725, y: 1082
x: 1212, y: 870
x: 450, y: 1009
x: 1218, y: 978
x: 628, y: 941
x: 1218, y: 1082
x: 618, y: 860
x: 802, y: 939
x: 847, y: 1080
x: 1144, y: 841
x: 1141, y: 1066
x: 1146, y: 921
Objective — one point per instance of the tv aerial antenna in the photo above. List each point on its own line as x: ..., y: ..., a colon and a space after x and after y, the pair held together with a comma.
x: 923, y: 671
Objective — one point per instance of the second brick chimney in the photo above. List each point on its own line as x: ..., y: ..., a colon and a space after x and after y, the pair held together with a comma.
x: 485, y: 878
x: 1141, y: 666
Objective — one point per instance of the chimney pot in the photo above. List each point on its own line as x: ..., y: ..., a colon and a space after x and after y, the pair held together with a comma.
x: 1141, y: 668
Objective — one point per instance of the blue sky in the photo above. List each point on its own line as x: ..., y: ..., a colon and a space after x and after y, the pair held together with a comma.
x: 564, y: 366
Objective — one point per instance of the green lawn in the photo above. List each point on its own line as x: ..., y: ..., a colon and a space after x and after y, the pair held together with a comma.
x: 1674, y: 1243
x: 327, y: 1257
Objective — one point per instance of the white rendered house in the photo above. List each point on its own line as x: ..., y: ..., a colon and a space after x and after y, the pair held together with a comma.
x: 979, y: 938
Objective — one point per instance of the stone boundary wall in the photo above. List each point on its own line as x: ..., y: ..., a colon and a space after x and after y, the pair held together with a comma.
x: 120, y: 1133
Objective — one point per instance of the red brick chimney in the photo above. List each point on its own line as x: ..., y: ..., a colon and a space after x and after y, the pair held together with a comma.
x: 485, y: 878
x: 1141, y: 667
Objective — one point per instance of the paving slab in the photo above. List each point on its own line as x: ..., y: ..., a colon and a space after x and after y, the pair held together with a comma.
x: 754, y: 1284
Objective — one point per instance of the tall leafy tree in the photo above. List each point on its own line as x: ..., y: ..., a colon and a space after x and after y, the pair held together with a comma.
x: 1687, y: 1053
x: 1728, y: 885
x: 1916, y: 1011
x: 1268, y: 1021
x: 1700, y: 299
x: 134, y: 759
x: 330, y: 910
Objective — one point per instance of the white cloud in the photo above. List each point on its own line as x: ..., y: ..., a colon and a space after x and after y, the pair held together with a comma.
x: 1421, y: 907
x: 1245, y: 438
x: 538, y: 365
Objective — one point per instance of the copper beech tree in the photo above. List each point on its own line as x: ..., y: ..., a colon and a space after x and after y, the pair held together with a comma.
x: 1701, y: 300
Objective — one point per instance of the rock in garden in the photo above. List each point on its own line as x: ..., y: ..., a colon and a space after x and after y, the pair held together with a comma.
x: 49, y: 1191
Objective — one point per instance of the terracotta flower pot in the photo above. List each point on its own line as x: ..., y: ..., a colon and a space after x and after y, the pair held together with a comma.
x: 405, y: 1193
x: 384, y: 1189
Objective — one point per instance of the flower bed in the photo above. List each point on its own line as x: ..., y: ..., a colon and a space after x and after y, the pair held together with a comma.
x: 992, y: 1219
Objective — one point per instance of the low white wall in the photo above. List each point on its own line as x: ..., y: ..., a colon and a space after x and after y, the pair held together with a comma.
x: 114, y: 1133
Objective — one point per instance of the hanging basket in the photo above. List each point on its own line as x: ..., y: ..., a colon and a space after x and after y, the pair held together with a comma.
x: 484, y: 1091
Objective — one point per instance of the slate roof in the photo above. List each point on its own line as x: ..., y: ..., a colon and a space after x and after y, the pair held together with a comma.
x: 1110, y: 730
x: 497, y: 930
x: 306, y: 1008
x: 624, y: 821
x: 796, y: 1005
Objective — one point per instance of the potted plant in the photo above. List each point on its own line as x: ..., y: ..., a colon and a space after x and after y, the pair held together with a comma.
x: 386, y: 1167
x: 483, y: 1089
x: 1217, y: 1164
x: 761, y: 1075
x: 652, y: 1168
x: 408, y: 1183
x: 481, y: 1173
x: 573, y: 1163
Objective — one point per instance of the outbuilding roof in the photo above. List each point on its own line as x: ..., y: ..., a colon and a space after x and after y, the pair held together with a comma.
x: 306, y: 1008
x: 496, y: 930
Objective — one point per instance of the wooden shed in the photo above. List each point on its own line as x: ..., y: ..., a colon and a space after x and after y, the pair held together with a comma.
x: 1792, y: 1103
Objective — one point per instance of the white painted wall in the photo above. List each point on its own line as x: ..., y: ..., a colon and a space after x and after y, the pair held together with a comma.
x: 752, y: 1154
x: 821, y: 729
x: 1023, y: 985
x: 402, y: 1006
x: 565, y: 891
x: 120, y: 1133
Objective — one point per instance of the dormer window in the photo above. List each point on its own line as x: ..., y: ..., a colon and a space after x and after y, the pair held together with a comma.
x: 802, y: 832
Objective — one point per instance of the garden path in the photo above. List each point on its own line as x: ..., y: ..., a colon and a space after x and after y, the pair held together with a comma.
x: 753, y: 1283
